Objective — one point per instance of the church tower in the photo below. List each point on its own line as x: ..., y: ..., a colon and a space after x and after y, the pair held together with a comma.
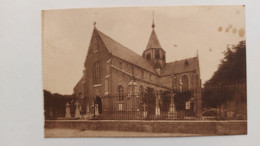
x: 154, y: 52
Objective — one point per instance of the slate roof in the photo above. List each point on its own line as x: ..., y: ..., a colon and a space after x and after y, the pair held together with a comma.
x: 153, y: 41
x: 120, y: 51
x: 185, y: 65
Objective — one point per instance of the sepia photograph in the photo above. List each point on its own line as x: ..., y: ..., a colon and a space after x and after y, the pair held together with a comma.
x: 167, y: 71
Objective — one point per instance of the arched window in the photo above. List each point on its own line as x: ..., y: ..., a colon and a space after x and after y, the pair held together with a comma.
x: 96, y: 73
x: 95, y: 45
x: 186, y: 63
x: 80, y: 95
x: 157, y: 54
x: 120, y: 93
x: 148, y: 57
x: 142, y: 74
x: 185, y: 82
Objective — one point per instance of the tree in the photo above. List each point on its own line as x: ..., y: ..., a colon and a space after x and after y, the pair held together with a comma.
x: 55, y: 102
x: 231, y: 71
x: 166, y: 100
x: 150, y: 100
x: 180, y: 99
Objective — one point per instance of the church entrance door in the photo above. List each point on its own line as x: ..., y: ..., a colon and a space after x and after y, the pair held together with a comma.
x: 98, y: 101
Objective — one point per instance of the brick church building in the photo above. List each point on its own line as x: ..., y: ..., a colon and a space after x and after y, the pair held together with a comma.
x: 115, y: 76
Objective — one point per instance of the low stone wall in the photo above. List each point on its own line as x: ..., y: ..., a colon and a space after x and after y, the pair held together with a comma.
x: 189, y: 127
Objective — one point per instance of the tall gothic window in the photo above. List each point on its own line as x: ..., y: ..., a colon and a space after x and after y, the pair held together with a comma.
x: 185, y: 82
x: 96, y: 73
x: 148, y: 57
x: 142, y: 74
x: 120, y: 93
x: 157, y: 54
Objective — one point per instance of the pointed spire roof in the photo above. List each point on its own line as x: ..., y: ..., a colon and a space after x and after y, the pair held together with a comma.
x: 153, y: 41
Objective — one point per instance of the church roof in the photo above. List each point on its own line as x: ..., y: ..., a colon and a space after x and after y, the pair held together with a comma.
x: 153, y: 41
x: 185, y: 65
x: 120, y: 51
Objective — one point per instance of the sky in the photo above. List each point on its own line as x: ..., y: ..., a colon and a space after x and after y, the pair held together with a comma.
x: 182, y: 31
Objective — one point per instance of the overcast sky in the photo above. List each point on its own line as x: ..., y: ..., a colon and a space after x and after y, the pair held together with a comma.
x: 181, y: 32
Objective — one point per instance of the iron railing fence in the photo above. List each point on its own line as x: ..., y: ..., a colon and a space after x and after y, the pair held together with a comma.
x: 135, y: 106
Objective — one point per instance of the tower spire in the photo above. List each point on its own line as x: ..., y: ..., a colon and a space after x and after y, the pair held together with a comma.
x: 153, y: 25
x: 153, y: 47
